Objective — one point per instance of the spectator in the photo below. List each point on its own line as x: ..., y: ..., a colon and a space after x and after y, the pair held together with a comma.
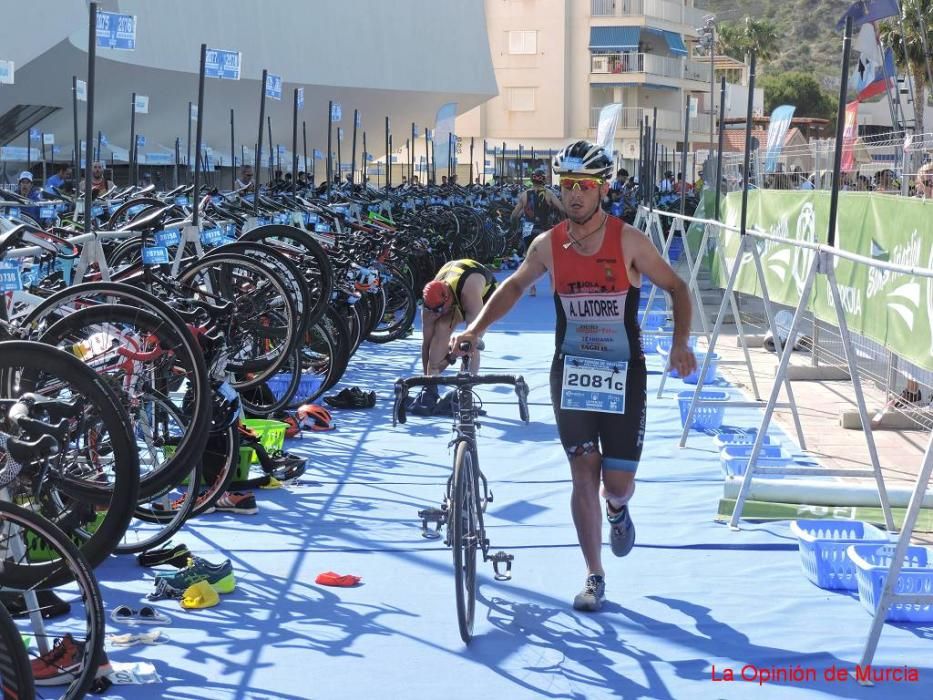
x: 245, y: 181
x: 59, y: 180
x: 808, y: 183
x: 886, y: 181
x: 27, y: 190
x: 681, y: 186
x: 100, y: 185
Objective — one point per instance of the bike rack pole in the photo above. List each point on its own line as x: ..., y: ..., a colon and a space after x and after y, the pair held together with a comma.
x: 304, y: 147
x: 89, y: 131
x: 196, y: 195
x: 188, y: 144
x: 232, y: 153
x: 262, y: 114
x: 330, y: 136
x: 356, y: 116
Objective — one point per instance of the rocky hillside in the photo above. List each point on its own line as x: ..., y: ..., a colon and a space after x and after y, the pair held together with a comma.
x: 805, y: 28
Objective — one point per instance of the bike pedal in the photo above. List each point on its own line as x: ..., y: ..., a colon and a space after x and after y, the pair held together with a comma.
x: 434, y: 516
x: 502, y: 558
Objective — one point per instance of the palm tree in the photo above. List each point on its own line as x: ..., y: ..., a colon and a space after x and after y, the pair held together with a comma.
x: 738, y: 40
x: 908, y: 49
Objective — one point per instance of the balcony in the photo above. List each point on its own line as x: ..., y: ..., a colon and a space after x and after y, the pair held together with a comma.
x: 657, y: 9
x: 668, y: 119
x: 648, y: 64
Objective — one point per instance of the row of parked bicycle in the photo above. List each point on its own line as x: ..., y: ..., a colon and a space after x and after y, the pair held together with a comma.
x: 131, y: 349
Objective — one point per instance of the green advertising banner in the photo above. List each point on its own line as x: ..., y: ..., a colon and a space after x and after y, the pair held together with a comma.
x: 891, y: 308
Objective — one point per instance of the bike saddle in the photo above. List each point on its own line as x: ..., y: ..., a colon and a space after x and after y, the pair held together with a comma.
x: 148, y: 221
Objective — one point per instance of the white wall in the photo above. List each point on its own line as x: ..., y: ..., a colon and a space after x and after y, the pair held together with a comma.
x: 402, y: 58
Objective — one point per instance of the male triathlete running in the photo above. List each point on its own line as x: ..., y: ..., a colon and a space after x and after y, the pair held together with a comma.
x: 598, y: 376
x: 537, y: 209
x: 456, y: 294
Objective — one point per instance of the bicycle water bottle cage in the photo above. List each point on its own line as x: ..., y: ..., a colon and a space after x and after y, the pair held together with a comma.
x: 498, y: 558
x: 434, y: 516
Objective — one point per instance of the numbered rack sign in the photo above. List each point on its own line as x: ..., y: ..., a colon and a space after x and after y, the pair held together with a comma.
x: 168, y: 237
x: 155, y: 255
x: 116, y: 31
x: 11, y: 277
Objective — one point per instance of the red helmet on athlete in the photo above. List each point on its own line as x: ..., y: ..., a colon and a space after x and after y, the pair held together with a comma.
x: 435, y: 295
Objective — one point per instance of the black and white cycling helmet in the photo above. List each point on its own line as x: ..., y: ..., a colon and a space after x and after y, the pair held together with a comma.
x: 582, y: 158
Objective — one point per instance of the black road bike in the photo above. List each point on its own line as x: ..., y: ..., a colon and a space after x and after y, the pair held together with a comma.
x: 464, y: 502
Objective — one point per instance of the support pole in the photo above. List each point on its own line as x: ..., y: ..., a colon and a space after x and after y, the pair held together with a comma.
x: 330, y: 136
x: 196, y: 195
x: 77, y: 152
x: 258, y: 165
x: 304, y: 147
x: 89, y: 129
x: 188, y: 146
x: 388, y: 158
x: 356, y: 115
x: 295, y: 144
x: 232, y: 152
x: 132, y: 154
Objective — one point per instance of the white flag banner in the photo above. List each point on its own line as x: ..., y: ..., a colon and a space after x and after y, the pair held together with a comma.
x: 608, y: 123
x: 443, y: 127
x: 142, y: 104
x: 7, y: 72
x: 81, y: 90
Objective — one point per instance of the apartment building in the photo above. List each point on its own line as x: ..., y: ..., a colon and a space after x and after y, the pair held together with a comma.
x: 559, y: 62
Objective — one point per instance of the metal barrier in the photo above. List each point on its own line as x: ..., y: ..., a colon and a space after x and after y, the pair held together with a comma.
x: 822, y: 265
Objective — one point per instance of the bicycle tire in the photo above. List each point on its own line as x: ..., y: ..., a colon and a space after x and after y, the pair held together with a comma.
x: 463, y: 537
x: 16, y: 681
x: 221, y: 272
x: 23, y: 364
x: 18, y: 577
x: 151, y: 385
x: 189, y: 351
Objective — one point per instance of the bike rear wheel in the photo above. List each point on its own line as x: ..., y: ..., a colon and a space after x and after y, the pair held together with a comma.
x: 16, y: 682
x: 463, y: 536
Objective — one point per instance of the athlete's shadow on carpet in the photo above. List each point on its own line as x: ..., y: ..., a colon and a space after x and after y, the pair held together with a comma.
x: 582, y: 649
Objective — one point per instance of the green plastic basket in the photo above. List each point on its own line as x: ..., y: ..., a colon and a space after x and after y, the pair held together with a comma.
x: 38, y: 550
x: 271, y: 435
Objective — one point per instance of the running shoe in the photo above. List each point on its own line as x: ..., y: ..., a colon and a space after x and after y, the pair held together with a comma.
x: 591, y: 598
x: 621, y: 532
x: 352, y: 397
x: 61, y: 664
x: 219, y: 576
x: 235, y: 502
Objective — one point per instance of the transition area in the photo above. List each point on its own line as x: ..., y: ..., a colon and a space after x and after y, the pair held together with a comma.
x: 693, y: 605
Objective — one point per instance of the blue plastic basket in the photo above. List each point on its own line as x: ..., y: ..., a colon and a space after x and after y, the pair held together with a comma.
x: 655, y: 318
x: 308, y: 385
x: 823, y: 545
x: 705, y: 416
x: 676, y: 250
x: 871, y: 570
x: 694, y: 376
x: 666, y: 340
x: 734, y: 458
x: 740, y: 436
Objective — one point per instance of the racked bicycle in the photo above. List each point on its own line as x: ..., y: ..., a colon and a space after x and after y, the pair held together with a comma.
x: 464, y: 503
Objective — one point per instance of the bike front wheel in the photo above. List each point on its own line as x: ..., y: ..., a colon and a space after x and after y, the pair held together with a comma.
x: 464, y: 536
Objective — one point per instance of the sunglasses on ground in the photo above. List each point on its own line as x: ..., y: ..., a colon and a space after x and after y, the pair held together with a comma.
x: 581, y: 183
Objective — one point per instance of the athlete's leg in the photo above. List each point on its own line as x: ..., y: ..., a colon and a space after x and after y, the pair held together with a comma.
x: 578, y: 436
x: 586, y: 507
x: 440, y: 343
